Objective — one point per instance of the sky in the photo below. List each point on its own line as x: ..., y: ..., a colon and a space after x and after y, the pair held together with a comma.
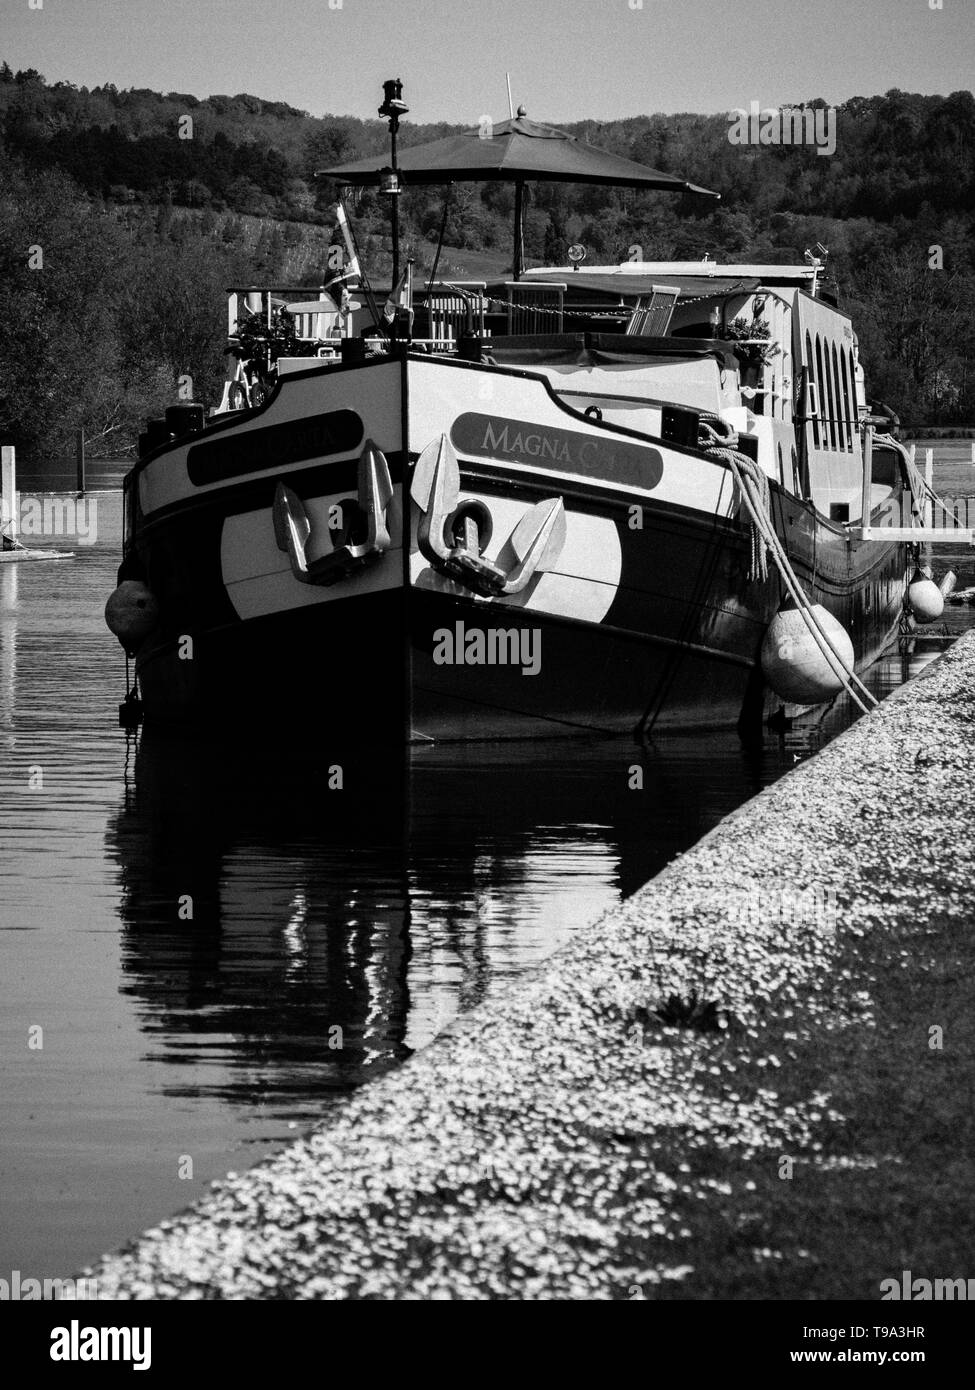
x: 568, y: 59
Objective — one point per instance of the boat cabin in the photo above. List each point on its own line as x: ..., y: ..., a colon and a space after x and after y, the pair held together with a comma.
x: 652, y: 346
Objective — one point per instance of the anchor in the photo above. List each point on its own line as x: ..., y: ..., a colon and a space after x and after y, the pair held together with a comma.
x: 293, y: 529
x: 536, y: 541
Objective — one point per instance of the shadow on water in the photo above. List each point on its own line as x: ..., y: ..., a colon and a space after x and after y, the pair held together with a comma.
x: 293, y: 926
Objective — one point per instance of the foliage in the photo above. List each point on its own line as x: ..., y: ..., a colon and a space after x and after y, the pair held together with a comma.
x: 752, y: 354
x: 143, y: 230
x: 125, y: 306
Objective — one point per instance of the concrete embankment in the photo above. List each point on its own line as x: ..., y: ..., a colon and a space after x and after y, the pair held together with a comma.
x: 752, y: 1080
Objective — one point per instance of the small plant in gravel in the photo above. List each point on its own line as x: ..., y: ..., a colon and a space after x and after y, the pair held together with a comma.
x: 683, y: 1011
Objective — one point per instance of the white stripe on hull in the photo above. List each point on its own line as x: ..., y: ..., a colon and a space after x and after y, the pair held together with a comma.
x: 258, y: 575
x: 584, y: 584
x: 373, y: 393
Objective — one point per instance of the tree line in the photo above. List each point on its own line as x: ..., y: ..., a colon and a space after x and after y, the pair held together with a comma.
x: 143, y: 217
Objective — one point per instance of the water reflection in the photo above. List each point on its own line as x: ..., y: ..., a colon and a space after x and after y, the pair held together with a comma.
x: 9, y: 602
x: 263, y: 908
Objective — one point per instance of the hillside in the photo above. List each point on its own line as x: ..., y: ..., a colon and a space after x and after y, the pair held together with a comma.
x: 146, y: 205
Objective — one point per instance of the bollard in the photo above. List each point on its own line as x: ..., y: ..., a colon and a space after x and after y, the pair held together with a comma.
x: 8, y: 490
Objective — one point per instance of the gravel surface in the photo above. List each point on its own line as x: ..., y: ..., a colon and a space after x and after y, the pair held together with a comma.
x: 732, y: 1086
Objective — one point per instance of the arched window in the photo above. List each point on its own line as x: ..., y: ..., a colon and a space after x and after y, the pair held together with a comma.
x: 848, y: 410
x: 825, y: 392
x: 831, y: 412
x: 814, y: 394
x: 840, y: 427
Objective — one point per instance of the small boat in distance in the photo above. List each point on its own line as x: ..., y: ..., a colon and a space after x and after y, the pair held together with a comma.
x: 586, y: 499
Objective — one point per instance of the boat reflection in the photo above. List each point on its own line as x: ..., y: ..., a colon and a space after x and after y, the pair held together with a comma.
x: 264, y: 909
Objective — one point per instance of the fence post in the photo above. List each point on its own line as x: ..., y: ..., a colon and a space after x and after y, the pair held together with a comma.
x: 80, y: 459
x: 928, y: 504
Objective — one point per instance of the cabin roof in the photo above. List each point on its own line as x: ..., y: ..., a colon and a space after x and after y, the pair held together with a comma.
x: 634, y: 281
x: 693, y: 278
x: 710, y: 270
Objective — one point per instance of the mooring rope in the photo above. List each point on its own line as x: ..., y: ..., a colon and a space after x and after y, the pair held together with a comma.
x: 719, y: 438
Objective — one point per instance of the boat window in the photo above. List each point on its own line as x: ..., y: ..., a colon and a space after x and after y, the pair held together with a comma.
x: 847, y: 411
x: 811, y: 367
x: 840, y: 430
x: 829, y: 434
x: 823, y: 393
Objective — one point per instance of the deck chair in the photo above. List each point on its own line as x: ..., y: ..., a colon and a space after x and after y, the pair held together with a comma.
x: 535, y: 306
x: 451, y: 306
x: 651, y: 317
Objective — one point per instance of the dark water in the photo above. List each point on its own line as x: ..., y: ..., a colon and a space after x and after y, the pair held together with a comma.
x: 197, y: 928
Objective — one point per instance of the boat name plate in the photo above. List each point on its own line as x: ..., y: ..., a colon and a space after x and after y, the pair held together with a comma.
x: 569, y: 451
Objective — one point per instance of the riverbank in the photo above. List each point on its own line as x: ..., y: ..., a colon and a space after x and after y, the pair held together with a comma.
x: 751, y: 1080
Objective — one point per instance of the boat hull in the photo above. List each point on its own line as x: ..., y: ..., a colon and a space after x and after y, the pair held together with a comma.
x: 647, y: 619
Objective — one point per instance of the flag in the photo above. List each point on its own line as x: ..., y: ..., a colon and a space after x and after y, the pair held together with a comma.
x: 401, y: 297
x: 345, y: 229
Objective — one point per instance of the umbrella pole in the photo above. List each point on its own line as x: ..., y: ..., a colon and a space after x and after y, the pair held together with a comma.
x: 517, y: 255
x: 394, y: 210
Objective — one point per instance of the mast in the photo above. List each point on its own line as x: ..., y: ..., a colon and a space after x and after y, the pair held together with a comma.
x: 393, y: 106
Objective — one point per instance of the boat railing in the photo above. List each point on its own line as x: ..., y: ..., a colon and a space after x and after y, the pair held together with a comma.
x: 450, y: 309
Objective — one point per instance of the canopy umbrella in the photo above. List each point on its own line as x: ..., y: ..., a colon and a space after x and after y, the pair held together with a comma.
x: 515, y: 150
